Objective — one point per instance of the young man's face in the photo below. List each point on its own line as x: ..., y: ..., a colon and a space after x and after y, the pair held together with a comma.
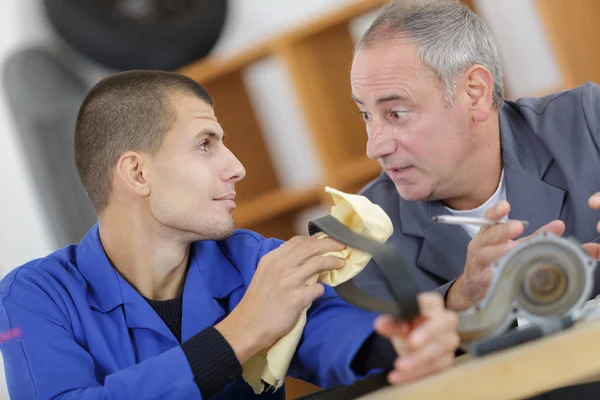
x: 421, y: 142
x: 193, y: 175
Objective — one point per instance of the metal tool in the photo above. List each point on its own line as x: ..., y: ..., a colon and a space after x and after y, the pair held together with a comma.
x: 589, y: 311
x: 543, y: 279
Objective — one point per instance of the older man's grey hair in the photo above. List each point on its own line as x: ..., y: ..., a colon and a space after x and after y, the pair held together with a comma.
x: 448, y: 36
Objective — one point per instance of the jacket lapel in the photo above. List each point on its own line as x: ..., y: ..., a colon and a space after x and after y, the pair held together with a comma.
x: 210, y: 281
x: 444, y: 247
x: 526, y: 162
x: 530, y: 198
x: 139, y: 314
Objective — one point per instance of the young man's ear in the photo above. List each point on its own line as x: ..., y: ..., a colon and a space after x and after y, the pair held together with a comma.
x: 479, y: 86
x: 131, y: 173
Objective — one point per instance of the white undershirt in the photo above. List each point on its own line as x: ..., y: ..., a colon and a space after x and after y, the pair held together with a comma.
x: 499, y: 195
x: 478, y: 212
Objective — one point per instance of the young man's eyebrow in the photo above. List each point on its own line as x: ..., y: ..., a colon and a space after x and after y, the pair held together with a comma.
x: 210, y: 134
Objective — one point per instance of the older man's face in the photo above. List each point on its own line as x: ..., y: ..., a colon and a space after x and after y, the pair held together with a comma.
x: 421, y: 141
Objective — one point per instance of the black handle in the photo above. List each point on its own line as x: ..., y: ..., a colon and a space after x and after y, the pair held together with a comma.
x: 520, y: 336
x: 396, y: 274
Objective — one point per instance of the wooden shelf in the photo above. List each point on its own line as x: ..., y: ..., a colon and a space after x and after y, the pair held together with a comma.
x: 338, y: 17
x: 210, y: 68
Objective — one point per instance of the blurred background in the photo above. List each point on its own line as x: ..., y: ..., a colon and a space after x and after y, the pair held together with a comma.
x: 278, y: 71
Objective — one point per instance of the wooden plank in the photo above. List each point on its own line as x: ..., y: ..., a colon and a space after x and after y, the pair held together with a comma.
x: 295, y: 388
x: 559, y: 360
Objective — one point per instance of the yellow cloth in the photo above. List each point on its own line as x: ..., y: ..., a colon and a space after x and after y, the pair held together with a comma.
x: 362, y: 217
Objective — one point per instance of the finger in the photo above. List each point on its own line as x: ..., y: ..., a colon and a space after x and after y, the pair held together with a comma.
x: 316, y: 265
x: 397, y: 332
x: 497, y: 211
x: 593, y: 249
x: 500, y: 233
x: 312, y: 292
x: 442, y: 321
x: 300, y: 248
x: 430, y: 303
x: 386, y: 326
x: 397, y: 376
x: 431, y: 306
x: 312, y: 247
x: 556, y: 227
x: 594, y: 200
x: 488, y: 255
x: 443, y: 344
x: 287, y: 247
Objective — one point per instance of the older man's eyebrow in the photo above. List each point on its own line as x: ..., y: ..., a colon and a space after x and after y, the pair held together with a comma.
x: 393, y: 97
x: 357, y: 100
x: 386, y: 99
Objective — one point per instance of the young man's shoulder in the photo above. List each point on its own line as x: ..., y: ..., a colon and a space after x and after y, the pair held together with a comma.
x: 45, y: 274
x: 250, y: 239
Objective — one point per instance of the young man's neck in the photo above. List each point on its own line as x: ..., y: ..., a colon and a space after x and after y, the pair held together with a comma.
x: 152, y: 262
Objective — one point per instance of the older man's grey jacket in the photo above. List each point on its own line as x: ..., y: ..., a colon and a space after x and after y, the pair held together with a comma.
x: 551, y: 153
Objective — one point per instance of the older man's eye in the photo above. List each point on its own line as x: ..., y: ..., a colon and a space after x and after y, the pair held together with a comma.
x: 397, y: 114
x: 365, y: 116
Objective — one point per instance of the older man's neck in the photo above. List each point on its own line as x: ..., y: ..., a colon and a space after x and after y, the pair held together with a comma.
x: 481, y: 176
x: 154, y: 263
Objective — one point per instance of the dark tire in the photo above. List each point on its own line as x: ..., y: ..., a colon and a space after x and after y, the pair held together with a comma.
x: 158, y: 34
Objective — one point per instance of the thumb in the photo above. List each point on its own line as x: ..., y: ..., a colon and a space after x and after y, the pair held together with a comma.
x: 593, y: 249
x: 556, y: 227
x: 594, y: 201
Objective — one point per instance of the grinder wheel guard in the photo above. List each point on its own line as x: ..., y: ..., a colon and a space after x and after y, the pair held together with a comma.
x: 397, y: 276
x: 542, y: 278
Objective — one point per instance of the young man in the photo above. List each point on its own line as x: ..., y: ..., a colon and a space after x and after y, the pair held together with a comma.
x: 162, y: 298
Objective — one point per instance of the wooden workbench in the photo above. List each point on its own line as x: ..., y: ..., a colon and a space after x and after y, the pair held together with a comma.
x: 563, y: 359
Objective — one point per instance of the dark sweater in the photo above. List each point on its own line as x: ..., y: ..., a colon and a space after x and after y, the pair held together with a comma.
x: 213, y: 361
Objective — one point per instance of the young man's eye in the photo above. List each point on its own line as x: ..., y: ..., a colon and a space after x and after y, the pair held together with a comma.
x: 203, y: 146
